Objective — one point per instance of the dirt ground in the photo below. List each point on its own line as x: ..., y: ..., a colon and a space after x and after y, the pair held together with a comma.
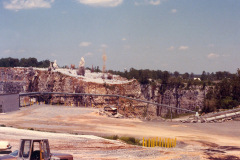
x: 194, y: 140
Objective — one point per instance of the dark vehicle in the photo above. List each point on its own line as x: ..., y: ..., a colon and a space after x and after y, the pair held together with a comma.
x: 111, y: 109
x: 35, y: 149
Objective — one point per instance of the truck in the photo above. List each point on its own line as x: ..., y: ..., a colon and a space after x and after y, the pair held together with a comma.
x: 35, y: 149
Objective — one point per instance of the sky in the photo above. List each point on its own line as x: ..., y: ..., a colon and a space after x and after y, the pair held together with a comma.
x: 174, y: 35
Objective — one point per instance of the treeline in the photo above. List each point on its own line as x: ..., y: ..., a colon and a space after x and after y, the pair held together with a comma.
x: 223, y: 95
x: 143, y: 76
x: 23, y: 62
x: 222, y: 88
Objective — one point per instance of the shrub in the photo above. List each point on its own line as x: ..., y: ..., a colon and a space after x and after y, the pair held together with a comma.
x: 130, y: 140
x: 114, y: 137
x: 31, y: 129
x: 228, y: 103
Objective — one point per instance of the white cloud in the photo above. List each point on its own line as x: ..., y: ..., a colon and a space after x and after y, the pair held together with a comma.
x: 104, y: 46
x: 174, y: 11
x: 27, y: 4
x: 124, y: 39
x: 88, y: 54
x: 212, y: 55
x: 154, y: 2
x: 183, y: 48
x: 171, y: 48
x: 101, y: 3
x: 10, y: 51
x: 21, y: 51
x: 147, y: 2
x: 85, y: 44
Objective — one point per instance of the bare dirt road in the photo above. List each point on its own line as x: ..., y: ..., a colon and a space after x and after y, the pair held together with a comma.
x: 195, y: 141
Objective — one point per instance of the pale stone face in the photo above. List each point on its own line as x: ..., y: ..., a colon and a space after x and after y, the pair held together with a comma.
x: 82, y: 62
x: 55, y: 66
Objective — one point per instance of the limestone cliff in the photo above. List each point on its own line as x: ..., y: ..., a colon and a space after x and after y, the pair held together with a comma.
x: 15, y: 80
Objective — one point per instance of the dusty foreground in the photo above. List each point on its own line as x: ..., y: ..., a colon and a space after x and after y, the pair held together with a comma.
x: 194, y: 141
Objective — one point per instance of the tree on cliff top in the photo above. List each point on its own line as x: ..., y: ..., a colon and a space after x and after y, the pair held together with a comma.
x: 23, y: 62
x: 9, y: 62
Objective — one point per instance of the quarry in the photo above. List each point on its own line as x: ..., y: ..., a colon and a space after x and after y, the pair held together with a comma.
x: 68, y: 109
x: 119, y: 80
x: 24, y: 80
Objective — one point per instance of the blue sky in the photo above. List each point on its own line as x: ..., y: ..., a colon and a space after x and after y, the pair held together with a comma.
x: 173, y: 35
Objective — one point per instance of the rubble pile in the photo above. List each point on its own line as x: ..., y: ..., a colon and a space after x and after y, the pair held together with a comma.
x: 219, y: 117
x: 108, y: 114
x: 194, y: 119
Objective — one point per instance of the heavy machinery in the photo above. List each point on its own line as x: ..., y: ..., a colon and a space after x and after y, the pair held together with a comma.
x: 35, y: 149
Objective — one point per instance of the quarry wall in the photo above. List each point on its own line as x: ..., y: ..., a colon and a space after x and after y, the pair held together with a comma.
x: 16, y: 80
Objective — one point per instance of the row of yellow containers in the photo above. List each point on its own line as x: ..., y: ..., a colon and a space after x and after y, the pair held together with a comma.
x: 159, y: 142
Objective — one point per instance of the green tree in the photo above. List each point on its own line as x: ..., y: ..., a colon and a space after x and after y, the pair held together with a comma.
x: 9, y: 62
x: 143, y: 77
x: 43, y: 64
x: 191, y: 76
x: 13, y: 62
x: 186, y: 76
x: 176, y: 74
x: 203, y: 76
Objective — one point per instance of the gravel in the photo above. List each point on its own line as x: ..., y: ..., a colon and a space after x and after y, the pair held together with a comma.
x: 81, y: 120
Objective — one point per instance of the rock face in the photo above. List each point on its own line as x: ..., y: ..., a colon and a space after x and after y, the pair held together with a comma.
x: 81, y: 71
x: 12, y: 80
x: 81, y: 68
x: 191, y: 98
x: 15, y: 80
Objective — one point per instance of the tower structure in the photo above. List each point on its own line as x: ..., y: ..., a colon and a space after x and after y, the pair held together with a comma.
x: 104, y: 57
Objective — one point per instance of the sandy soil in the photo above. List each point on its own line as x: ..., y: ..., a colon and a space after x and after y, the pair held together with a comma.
x: 194, y: 141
